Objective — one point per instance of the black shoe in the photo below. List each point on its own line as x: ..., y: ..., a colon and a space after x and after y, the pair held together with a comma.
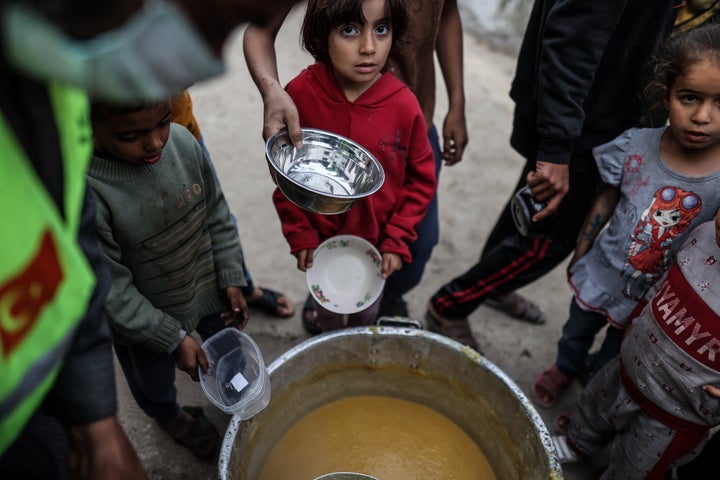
x: 309, y: 317
x: 396, y: 307
x: 193, y: 430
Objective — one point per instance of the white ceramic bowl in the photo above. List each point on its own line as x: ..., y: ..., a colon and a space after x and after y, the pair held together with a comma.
x: 346, y: 275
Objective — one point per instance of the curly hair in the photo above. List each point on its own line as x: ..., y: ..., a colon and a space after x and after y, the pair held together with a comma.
x: 682, y: 51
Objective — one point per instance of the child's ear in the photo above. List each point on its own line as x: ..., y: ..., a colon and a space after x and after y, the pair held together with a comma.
x: 666, y: 97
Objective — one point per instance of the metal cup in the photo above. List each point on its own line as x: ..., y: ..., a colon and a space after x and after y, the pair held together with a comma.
x: 524, y: 206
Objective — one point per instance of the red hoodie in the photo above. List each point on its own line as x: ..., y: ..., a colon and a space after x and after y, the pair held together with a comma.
x: 387, y: 120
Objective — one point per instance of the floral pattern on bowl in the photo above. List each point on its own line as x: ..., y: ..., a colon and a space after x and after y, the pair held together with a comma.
x: 346, y: 276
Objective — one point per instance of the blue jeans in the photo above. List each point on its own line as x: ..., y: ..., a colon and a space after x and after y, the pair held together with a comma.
x: 578, y: 335
x: 428, y: 235
x: 151, y: 375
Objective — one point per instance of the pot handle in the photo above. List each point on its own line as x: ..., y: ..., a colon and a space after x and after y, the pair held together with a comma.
x: 403, y: 322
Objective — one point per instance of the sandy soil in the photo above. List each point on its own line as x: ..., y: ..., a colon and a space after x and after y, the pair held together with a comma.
x: 471, y: 194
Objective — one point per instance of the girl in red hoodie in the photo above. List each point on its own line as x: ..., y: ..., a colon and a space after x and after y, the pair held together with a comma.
x: 348, y: 93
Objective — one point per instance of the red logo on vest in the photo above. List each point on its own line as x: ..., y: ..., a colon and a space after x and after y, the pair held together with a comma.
x: 23, y: 297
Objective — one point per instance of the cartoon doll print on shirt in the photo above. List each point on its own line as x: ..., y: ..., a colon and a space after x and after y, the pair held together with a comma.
x: 670, y: 213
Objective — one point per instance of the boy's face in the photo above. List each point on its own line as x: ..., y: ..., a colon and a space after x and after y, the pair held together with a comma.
x: 135, y: 137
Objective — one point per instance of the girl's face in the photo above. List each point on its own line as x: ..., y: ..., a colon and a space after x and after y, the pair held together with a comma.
x: 694, y: 106
x: 136, y: 137
x: 358, y: 52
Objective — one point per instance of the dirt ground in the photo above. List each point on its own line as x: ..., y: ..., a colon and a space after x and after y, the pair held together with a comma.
x: 471, y: 194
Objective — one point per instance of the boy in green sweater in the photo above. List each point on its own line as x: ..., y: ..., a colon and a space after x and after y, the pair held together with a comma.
x: 175, y: 256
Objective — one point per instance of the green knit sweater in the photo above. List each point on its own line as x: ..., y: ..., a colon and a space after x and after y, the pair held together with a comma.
x: 173, y: 248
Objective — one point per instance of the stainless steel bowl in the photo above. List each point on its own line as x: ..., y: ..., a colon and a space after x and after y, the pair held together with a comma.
x: 328, y: 175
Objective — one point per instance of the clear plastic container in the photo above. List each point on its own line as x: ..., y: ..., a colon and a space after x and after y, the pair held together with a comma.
x: 237, y: 381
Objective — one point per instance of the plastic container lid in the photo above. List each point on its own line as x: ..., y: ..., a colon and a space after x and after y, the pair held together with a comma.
x: 237, y: 381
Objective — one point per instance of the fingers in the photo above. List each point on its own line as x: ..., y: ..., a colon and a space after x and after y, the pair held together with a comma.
x: 237, y: 317
x: 542, y: 191
x: 186, y: 355
x: 203, y: 362
x: 295, y: 133
x: 386, y: 268
x: 714, y: 391
x: 242, y: 317
x: 300, y: 256
x: 239, y: 314
x: 191, y: 369
x: 549, y: 209
x: 541, y: 187
x: 449, y: 152
x: 281, y: 114
x: 548, y: 183
x: 304, y: 259
x: 453, y: 150
x: 549, y: 179
x: 455, y: 137
x: 391, y: 262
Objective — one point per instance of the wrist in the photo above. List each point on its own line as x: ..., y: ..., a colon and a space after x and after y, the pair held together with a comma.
x: 173, y: 346
x: 554, y: 151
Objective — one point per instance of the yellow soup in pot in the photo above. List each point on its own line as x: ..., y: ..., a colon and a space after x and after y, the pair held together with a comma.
x: 386, y: 437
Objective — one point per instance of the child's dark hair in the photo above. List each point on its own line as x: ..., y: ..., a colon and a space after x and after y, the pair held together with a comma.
x: 684, y: 50
x: 322, y: 16
x: 100, y: 110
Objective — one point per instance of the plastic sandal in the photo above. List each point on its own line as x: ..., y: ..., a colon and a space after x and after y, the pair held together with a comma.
x: 516, y: 306
x: 268, y: 303
x: 456, y: 329
x: 549, y: 385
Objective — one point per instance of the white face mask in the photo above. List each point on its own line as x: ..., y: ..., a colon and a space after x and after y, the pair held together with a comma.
x: 153, y: 55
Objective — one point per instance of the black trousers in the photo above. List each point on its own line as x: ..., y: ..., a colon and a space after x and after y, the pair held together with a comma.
x: 509, y: 260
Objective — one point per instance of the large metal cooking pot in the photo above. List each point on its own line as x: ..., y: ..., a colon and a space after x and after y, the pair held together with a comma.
x: 408, y: 363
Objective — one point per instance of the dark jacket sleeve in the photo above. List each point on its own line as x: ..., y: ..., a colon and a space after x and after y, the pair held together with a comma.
x: 84, y: 390
x: 575, y: 36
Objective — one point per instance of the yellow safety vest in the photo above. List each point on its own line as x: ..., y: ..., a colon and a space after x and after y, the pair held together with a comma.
x: 45, y: 279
